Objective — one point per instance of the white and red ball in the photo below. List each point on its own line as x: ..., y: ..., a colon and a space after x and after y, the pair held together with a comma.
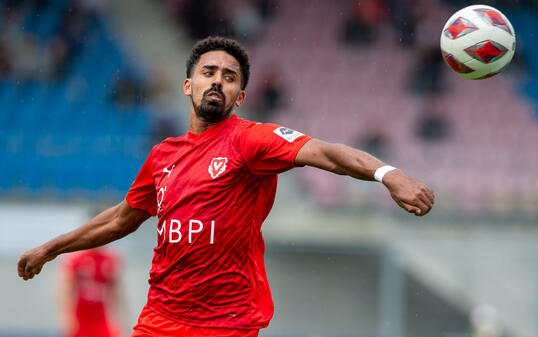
x: 478, y: 42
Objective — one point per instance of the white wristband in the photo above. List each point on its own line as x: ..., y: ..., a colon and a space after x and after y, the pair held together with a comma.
x: 380, y: 172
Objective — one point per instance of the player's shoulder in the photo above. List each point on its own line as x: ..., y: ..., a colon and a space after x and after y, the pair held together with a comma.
x: 170, y: 141
x: 243, y: 125
x: 262, y: 130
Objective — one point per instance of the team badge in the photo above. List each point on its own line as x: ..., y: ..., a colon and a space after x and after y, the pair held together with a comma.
x: 217, y: 166
x: 287, y: 133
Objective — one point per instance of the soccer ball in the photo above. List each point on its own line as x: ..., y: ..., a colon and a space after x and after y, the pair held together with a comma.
x: 478, y: 42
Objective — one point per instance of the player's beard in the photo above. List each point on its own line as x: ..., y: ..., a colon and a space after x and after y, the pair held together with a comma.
x: 212, y: 111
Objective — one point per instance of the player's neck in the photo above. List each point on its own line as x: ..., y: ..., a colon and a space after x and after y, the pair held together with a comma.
x: 199, y: 125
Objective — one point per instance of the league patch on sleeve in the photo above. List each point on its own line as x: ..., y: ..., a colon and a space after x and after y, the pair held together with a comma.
x: 288, y: 134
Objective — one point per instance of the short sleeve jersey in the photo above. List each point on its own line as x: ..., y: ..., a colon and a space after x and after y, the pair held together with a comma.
x: 93, y: 273
x: 211, y: 193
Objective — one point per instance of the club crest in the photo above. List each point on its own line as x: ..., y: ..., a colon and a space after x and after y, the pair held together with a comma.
x: 217, y: 166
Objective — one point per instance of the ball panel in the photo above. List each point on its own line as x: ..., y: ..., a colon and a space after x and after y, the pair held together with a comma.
x: 480, y: 69
x: 459, y: 27
x: 455, y: 64
x: 494, y: 18
x: 486, y: 51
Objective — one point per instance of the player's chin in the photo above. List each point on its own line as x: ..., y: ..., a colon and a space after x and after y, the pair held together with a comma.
x: 212, y: 114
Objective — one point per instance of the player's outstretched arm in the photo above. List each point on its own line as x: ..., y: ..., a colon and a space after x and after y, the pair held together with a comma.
x: 408, y: 193
x: 108, y: 226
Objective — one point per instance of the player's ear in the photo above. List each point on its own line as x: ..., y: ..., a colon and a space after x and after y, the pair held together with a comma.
x: 187, y: 87
x: 240, y: 98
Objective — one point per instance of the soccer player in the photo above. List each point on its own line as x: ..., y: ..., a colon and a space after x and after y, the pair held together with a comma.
x: 211, y: 189
x: 89, y: 295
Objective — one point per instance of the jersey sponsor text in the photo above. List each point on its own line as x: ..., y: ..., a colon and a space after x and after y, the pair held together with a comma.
x: 173, y: 229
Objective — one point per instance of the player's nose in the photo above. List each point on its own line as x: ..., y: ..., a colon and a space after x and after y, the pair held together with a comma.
x: 217, y: 79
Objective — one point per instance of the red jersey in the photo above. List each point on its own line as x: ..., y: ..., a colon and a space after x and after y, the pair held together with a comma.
x: 93, y: 273
x: 211, y: 193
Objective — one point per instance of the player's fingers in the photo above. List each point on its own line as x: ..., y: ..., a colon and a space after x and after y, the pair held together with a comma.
x: 20, y: 268
x: 409, y: 208
x: 419, y: 207
x: 31, y: 271
x: 430, y: 195
x: 425, y: 200
x: 425, y: 211
x: 413, y: 209
x: 418, y: 203
x: 431, y: 199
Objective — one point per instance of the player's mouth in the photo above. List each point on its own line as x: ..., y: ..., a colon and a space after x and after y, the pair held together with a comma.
x: 215, y: 95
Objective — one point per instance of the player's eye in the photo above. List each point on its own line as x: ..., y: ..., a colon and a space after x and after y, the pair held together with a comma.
x: 208, y: 73
x: 229, y: 78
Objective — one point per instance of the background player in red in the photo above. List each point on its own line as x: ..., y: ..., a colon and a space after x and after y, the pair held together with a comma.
x: 211, y: 189
x: 89, y: 294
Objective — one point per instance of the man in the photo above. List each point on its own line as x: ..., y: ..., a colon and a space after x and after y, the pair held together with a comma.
x: 212, y: 188
x: 89, y: 293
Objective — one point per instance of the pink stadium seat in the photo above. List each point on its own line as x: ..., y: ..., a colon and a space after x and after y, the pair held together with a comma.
x: 340, y: 94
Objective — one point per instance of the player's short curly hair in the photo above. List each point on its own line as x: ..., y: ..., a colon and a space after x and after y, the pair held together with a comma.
x: 230, y: 46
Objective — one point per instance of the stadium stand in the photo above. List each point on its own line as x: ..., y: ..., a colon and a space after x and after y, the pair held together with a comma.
x: 340, y: 94
x: 64, y: 136
x: 527, y: 23
x: 58, y: 134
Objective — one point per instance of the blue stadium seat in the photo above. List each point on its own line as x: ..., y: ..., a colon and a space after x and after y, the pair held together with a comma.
x: 67, y: 136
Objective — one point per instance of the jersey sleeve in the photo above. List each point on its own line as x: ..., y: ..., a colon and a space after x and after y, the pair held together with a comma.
x: 269, y: 148
x: 142, y: 194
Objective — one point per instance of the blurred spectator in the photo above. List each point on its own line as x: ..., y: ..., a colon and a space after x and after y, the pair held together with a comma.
x: 246, y: 21
x: 74, y: 28
x: 36, y: 5
x: 270, y: 95
x: 266, y: 8
x: 128, y: 91
x: 156, y: 90
x: 432, y: 125
x: 366, y: 15
x: 403, y: 15
x: 204, y: 18
x: 375, y: 142
x: 89, y: 294
x: 57, y: 58
x: 27, y: 59
x: 5, y: 62
x: 92, y: 8
x: 242, y: 19
x: 10, y: 32
x: 162, y: 97
x: 427, y: 71
x: 10, y: 38
x: 24, y: 57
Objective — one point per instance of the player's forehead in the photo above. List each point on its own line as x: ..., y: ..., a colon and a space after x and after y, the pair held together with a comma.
x: 219, y: 58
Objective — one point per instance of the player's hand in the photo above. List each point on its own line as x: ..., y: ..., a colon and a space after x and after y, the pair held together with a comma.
x: 409, y: 194
x: 31, y: 263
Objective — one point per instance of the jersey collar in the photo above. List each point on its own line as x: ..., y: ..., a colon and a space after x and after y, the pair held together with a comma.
x: 211, y: 131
